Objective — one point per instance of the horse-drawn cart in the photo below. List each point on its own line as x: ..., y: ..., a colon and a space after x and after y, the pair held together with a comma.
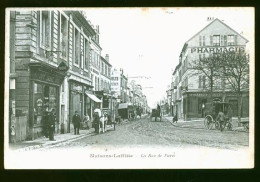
x: 156, y: 113
x: 218, y: 115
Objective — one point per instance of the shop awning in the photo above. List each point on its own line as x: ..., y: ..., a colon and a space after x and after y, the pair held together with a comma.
x: 93, y: 97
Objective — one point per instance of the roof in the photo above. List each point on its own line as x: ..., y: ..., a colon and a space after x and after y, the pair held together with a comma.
x: 103, y: 59
x: 211, y: 24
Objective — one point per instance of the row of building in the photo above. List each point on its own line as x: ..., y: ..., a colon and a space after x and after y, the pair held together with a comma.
x: 56, y: 63
x: 188, y: 93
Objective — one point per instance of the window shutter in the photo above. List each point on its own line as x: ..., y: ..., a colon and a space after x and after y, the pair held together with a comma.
x: 222, y: 40
x: 199, y: 81
x: 225, y: 40
x: 211, y: 40
x: 235, y: 40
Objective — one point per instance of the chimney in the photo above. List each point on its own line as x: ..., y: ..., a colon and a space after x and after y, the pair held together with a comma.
x: 97, y: 28
x: 107, y: 57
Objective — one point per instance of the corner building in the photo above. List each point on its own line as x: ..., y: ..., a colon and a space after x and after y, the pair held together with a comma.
x: 50, y: 58
x: 189, y: 91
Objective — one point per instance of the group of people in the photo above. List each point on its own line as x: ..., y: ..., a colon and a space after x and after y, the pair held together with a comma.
x: 99, y: 122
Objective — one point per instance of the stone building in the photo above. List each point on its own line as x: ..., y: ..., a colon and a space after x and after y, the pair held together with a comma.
x: 189, y: 92
x: 51, y: 51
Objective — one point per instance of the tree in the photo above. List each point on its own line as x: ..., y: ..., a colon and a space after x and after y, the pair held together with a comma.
x: 207, y: 66
x: 234, y: 67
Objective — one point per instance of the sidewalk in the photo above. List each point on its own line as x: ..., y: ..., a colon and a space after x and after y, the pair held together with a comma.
x: 198, y: 123
x: 43, y: 141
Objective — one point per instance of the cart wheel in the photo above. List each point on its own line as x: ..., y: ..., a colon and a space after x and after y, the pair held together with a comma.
x: 208, y: 122
x: 217, y: 125
x: 229, y: 126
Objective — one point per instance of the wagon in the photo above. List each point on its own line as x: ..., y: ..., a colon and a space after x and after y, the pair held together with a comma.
x: 213, y: 111
x: 110, y: 123
x: 156, y: 113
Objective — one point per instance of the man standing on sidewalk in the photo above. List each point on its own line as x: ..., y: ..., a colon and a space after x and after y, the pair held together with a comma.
x: 76, y: 122
x: 51, y: 119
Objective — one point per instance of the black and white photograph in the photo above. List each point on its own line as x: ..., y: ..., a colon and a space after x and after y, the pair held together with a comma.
x: 129, y: 88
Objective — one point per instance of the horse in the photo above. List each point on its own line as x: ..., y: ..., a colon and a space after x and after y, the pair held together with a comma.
x: 139, y: 112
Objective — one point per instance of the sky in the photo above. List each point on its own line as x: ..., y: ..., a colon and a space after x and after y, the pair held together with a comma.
x: 148, y: 41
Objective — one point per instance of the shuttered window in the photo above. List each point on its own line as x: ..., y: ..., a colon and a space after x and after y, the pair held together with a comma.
x: 45, y: 29
x: 77, y: 48
x: 64, y: 36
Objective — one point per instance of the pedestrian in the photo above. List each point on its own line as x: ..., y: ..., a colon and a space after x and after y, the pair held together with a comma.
x: 46, y: 124
x: 221, y: 119
x: 175, y: 118
x: 97, y: 116
x: 86, y: 122
x: 76, y: 122
x: 51, y: 123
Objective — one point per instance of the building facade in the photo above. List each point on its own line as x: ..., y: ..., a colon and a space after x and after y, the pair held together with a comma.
x: 189, y: 92
x: 50, y: 56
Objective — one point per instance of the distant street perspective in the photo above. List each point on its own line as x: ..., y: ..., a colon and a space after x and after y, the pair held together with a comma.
x: 146, y: 132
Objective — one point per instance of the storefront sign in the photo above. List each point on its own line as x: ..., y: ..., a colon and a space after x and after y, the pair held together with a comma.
x: 77, y: 87
x: 216, y: 49
x: 42, y: 76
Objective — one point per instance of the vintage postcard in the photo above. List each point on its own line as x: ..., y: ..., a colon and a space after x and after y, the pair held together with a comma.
x: 129, y: 88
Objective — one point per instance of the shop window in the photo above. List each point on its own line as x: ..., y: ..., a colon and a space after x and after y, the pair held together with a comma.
x: 45, y: 99
x: 216, y: 40
x: 45, y: 29
x: 64, y: 36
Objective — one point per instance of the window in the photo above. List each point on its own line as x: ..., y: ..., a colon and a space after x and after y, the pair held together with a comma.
x: 86, y: 54
x: 231, y: 40
x: 45, y: 99
x: 109, y: 71
x: 106, y: 70
x: 202, y: 81
x: 200, y: 41
x: 203, y: 41
x: 102, y: 70
x: 216, y: 40
x: 64, y: 36
x: 45, y: 29
x: 77, y: 47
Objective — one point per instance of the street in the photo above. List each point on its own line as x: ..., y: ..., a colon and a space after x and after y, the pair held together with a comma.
x: 143, y: 132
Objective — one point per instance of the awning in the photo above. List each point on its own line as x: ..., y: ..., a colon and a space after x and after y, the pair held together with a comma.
x: 93, y: 97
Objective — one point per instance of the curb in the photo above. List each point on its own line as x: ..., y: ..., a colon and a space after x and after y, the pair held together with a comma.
x: 50, y: 144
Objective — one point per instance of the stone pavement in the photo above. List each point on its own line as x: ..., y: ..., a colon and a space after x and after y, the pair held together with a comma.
x: 43, y: 141
x: 198, y: 123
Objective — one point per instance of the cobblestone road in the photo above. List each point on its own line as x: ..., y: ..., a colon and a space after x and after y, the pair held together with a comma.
x: 144, y: 132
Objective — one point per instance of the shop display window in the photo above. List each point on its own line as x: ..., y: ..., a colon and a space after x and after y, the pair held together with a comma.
x: 45, y: 99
